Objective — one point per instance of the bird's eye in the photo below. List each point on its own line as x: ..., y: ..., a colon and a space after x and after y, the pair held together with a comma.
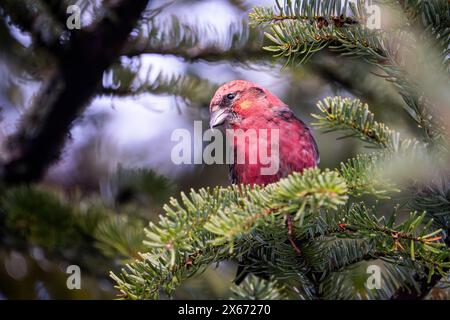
x: 231, y: 96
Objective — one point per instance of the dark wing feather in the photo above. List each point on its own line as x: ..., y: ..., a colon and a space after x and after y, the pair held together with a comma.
x: 232, y: 174
x: 287, y: 115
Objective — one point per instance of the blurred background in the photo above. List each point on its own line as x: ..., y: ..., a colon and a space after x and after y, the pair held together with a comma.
x: 115, y: 169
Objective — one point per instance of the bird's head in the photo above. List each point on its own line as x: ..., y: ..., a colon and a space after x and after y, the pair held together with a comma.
x: 237, y: 100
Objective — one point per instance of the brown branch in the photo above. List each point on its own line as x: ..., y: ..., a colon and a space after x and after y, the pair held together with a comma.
x: 211, y: 53
x: 26, y: 15
x: 291, y: 235
x: 395, y: 235
x: 321, y: 21
x: 43, y: 130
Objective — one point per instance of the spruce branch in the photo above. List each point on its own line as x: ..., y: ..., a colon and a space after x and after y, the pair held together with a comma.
x: 300, y: 28
x: 126, y: 82
x: 295, y: 194
x: 350, y: 282
x: 179, y: 247
x: 186, y: 41
x: 434, y: 198
x: 208, y: 225
x: 119, y: 235
x: 297, y: 39
x: 322, y: 13
x: 355, y: 117
x: 83, y: 233
x: 267, y: 252
x: 247, y: 224
x: 329, y: 253
x: 412, y: 239
x: 254, y: 288
x: 354, y: 238
x: 364, y: 175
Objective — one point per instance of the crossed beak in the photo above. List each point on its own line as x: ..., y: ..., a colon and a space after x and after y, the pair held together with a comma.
x: 218, y: 117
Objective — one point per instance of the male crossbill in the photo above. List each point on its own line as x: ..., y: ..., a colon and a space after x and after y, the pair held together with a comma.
x: 247, y: 106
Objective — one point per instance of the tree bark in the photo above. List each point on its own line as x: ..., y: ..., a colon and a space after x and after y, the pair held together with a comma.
x: 44, y: 128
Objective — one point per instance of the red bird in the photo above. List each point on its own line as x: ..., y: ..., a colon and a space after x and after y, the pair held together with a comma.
x: 245, y: 105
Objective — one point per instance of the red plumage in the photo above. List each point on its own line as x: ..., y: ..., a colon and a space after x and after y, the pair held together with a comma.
x: 247, y: 106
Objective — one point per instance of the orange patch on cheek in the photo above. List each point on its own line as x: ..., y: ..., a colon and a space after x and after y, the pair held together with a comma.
x: 244, y: 104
